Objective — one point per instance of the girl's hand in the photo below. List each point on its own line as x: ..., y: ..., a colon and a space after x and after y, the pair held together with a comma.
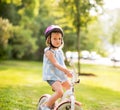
x: 69, y: 74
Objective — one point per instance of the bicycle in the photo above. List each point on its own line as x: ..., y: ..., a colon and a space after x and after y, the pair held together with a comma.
x: 67, y: 102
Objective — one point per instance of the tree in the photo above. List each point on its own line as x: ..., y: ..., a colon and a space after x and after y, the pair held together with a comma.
x: 29, y: 19
x: 115, y: 33
x: 5, y: 34
x: 79, y: 13
x: 9, y: 10
x: 22, y: 45
x: 111, y: 25
x: 93, y: 37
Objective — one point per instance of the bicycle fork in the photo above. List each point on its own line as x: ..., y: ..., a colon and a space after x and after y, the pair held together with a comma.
x: 72, y: 98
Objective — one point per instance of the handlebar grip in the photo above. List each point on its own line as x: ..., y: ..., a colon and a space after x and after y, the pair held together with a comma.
x: 78, y: 81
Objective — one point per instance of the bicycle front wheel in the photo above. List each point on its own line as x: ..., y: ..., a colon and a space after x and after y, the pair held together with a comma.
x: 43, y: 99
x: 67, y: 106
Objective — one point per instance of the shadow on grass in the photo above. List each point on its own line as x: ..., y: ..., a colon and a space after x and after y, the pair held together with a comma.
x: 87, y: 74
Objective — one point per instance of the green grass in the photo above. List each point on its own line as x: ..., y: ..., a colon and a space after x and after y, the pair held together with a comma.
x: 21, y: 86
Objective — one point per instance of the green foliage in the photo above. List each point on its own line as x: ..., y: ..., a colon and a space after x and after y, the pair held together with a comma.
x: 5, y: 34
x: 93, y: 37
x: 22, y: 44
x: 115, y: 33
x: 9, y: 11
x: 111, y: 27
x: 16, y: 2
x: 79, y: 11
x: 32, y: 17
x: 5, y: 31
x: 69, y: 40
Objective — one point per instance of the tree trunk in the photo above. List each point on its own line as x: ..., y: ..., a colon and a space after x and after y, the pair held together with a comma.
x: 78, y: 49
x: 78, y: 31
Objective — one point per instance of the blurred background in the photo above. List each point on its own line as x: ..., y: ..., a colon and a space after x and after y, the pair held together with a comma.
x: 91, y: 28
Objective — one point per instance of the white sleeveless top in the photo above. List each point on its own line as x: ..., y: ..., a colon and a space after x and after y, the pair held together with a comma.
x: 50, y: 72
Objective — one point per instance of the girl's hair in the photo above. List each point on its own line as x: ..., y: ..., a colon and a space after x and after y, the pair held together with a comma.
x: 48, y: 41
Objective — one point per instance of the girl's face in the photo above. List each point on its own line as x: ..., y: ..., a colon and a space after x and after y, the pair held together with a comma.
x: 56, y: 39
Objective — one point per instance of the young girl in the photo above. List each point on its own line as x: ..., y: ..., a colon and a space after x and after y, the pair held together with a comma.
x: 54, y: 69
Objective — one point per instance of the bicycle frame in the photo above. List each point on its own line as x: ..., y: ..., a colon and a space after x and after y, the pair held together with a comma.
x: 70, y: 93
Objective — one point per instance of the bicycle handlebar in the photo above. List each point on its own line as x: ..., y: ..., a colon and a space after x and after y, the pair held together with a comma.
x: 75, y: 79
x: 74, y: 73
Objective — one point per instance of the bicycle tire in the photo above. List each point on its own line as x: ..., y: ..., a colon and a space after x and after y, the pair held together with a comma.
x: 42, y: 100
x: 67, y: 106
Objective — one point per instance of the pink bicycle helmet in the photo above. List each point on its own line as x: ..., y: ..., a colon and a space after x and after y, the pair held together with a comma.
x: 53, y: 28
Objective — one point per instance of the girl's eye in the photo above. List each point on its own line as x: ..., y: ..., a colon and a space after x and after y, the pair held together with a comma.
x: 57, y: 39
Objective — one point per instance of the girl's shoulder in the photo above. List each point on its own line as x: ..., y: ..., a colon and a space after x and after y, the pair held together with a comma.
x: 48, y: 49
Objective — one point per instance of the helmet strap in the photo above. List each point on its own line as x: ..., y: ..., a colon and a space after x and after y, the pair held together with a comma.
x: 52, y: 44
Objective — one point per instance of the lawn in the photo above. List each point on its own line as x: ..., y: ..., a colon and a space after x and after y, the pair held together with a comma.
x: 21, y: 86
